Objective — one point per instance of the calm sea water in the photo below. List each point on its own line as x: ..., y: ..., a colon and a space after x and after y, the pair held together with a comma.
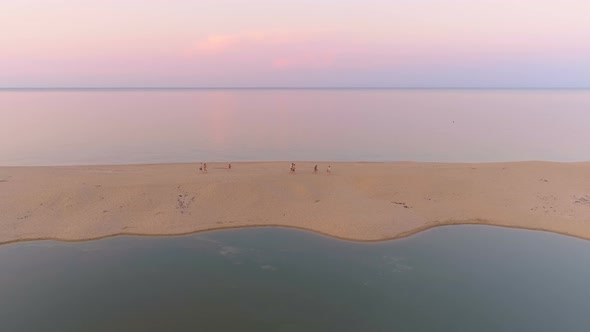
x: 151, y: 126
x: 459, y: 278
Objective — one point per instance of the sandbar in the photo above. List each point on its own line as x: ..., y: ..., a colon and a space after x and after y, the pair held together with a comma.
x: 357, y: 201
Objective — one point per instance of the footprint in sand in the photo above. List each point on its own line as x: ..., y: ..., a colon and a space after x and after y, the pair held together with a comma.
x: 582, y: 200
x: 402, y: 204
x: 183, y: 202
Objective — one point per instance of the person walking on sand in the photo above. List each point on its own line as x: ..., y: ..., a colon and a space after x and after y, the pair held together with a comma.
x: 201, y: 168
x: 205, y: 168
x: 315, y: 169
x: 228, y: 165
x: 329, y: 169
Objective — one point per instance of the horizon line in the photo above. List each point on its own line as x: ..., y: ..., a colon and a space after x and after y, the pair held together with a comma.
x: 289, y: 88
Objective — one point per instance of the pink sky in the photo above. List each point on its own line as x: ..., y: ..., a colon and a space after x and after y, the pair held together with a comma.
x: 224, y: 43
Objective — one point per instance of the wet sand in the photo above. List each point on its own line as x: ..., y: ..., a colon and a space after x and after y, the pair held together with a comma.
x: 357, y: 201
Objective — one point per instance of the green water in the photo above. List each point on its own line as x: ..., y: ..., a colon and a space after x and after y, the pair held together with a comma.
x: 459, y: 278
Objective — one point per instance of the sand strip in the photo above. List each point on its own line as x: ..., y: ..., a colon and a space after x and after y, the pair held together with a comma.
x: 357, y: 201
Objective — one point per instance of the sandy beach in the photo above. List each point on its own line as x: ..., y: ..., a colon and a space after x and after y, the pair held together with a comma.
x: 357, y: 201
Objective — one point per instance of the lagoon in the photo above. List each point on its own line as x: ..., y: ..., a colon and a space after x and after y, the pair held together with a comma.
x: 454, y: 278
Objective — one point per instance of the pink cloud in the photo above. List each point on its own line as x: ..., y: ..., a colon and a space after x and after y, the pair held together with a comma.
x: 220, y: 43
x: 215, y: 44
x: 306, y: 60
x: 273, y: 50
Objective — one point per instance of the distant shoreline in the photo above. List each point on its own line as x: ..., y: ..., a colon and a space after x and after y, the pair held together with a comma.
x: 292, y: 88
x: 361, y: 201
x: 195, y: 163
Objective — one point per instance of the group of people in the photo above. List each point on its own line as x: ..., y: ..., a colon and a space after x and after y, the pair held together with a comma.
x: 315, y: 169
x: 203, y: 168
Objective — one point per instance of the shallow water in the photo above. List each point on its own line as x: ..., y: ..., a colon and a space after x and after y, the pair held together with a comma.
x: 150, y: 126
x: 456, y: 278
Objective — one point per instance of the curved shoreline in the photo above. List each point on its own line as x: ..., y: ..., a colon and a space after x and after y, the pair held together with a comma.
x: 362, y: 202
x: 398, y: 237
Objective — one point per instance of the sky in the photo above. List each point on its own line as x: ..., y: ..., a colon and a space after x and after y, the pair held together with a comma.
x: 304, y: 43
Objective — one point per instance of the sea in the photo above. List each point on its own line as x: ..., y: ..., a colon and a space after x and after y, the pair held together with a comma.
x: 131, y: 126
